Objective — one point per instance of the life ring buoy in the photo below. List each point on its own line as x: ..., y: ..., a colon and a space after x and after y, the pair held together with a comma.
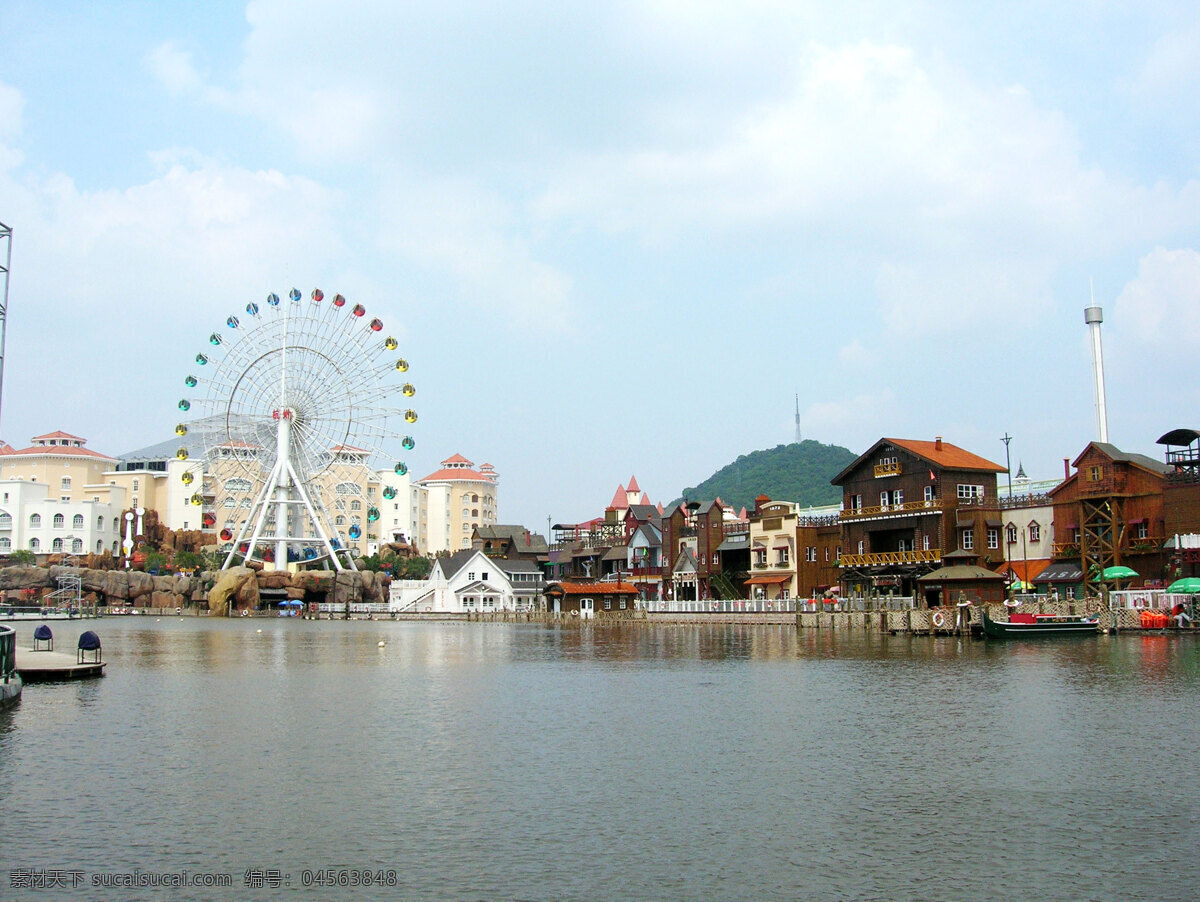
x: 939, y: 619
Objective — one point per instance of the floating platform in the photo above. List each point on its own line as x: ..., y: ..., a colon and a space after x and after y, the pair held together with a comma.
x: 54, y: 666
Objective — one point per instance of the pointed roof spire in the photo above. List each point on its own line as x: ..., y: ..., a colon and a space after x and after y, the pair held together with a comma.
x: 620, y: 499
x: 633, y: 486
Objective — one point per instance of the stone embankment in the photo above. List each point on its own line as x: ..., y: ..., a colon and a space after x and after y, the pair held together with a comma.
x: 242, y: 588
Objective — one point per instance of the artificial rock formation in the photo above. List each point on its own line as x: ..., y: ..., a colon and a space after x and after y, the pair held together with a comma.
x: 222, y: 591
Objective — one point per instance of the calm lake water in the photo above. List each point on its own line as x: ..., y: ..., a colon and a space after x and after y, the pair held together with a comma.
x: 498, y: 761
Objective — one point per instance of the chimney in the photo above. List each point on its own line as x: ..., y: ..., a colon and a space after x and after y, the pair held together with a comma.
x: 1066, y: 468
x: 937, y: 443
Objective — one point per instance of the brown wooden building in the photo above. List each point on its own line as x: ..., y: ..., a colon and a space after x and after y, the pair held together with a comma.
x: 908, y: 503
x: 1110, y: 512
x: 702, y: 529
x: 589, y: 598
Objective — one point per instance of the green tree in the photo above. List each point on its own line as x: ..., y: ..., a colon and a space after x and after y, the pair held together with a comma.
x: 22, y: 557
x: 412, y: 568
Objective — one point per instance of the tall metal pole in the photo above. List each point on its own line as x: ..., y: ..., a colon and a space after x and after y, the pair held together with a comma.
x: 1007, y: 461
x: 6, y: 237
x: 1094, y: 316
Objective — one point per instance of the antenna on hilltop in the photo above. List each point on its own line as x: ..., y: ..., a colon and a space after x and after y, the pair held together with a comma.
x: 797, y: 419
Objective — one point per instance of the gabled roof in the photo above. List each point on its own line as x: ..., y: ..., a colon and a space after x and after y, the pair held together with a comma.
x: 520, y: 537
x: 1114, y: 453
x: 675, y: 505
x: 643, y: 512
x: 515, y: 565
x: 455, y: 562
x: 686, y: 561
x: 945, y: 457
x: 650, y: 532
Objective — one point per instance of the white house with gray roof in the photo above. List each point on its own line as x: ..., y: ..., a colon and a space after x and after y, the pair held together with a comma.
x: 470, y: 582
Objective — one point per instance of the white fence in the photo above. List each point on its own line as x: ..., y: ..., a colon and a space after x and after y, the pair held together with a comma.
x: 1147, y: 599
x: 719, y: 606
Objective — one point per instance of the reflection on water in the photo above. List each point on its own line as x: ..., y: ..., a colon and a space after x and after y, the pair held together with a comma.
x: 671, y: 762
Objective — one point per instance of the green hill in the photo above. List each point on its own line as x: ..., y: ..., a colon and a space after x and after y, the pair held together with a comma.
x: 798, y: 472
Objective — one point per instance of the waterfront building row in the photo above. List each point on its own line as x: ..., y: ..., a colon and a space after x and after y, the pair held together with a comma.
x: 61, y: 497
x: 921, y: 519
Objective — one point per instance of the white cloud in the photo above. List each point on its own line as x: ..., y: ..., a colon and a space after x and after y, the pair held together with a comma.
x: 1171, y: 66
x: 173, y: 68
x: 470, y: 233
x: 1162, y: 305
x: 11, y: 106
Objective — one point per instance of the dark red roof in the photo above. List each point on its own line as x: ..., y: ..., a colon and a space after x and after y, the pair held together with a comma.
x: 594, y: 588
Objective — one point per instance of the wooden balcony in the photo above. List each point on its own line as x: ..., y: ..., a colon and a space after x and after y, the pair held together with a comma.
x: 1066, y: 549
x: 892, y: 469
x: 891, y: 510
x: 884, y: 558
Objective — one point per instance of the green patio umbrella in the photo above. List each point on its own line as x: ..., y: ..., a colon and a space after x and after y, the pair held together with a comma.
x: 1118, y: 573
x: 1189, y: 585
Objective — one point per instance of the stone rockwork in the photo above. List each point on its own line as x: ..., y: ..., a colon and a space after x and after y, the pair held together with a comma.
x: 222, y: 591
x: 12, y: 578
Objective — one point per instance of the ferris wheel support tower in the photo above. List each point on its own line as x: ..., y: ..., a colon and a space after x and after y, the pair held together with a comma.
x: 6, y: 237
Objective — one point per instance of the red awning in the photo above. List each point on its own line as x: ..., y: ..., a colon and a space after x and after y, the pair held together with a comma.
x: 769, y: 579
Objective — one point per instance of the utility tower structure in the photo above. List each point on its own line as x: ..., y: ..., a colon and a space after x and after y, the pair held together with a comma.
x: 797, y: 419
x: 1101, y: 509
x: 6, y: 253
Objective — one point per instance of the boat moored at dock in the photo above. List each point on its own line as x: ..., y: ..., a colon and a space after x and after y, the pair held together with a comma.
x: 1020, y: 626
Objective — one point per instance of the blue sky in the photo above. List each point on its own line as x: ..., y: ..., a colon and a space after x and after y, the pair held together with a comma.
x: 618, y: 239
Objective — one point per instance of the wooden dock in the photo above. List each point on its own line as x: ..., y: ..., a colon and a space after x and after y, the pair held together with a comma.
x: 53, y: 666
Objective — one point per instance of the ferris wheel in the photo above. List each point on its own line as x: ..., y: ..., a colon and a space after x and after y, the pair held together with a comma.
x: 283, y: 394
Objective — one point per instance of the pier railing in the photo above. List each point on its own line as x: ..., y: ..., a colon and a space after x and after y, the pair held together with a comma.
x: 8, y: 651
x: 718, y: 606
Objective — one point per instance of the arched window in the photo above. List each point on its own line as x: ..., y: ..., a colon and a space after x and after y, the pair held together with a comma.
x: 246, y: 504
x: 475, y: 512
x: 56, y: 546
x: 339, y: 520
x: 99, y: 547
x: 99, y: 528
x: 59, y: 521
x: 474, y: 499
x: 348, y: 488
x: 5, y: 520
x: 77, y: 546
x: 77, y: 521
x: 237, y: 485
x: 116, y: 526
x: 35, y: 521
x: 355, y: 505
x: 5, y: 544
x: 229, y: 502
x: 339, y: 505
x: 34, y: 544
